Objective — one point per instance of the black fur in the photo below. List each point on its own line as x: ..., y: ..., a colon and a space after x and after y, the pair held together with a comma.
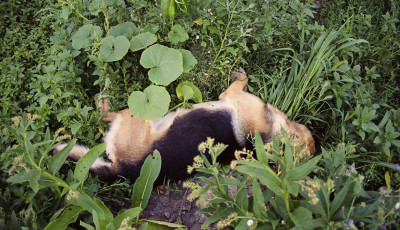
x: 180, y: 144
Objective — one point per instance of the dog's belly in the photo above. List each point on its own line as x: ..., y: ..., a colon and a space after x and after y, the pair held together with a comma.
x: 180, y: 144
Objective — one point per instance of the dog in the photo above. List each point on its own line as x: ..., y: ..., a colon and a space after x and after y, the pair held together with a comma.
x: 230, y: 120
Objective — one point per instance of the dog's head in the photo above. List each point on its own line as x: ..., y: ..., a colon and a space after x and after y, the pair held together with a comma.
x: 304, y: 137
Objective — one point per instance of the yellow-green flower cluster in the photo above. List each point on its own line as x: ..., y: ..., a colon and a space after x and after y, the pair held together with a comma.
x: 17, y: 162
x: 33, y: 117
x: 227, y: 221
x: 243, y: 154
x: 16, y: 120
x: 125, y: 224
x: 196, y: 189
x: 330, y: 184
x: 197, y: 163
x: 311, y: 188
x: 73, y: 194
x: 61, y: 137
x: 25, y: 212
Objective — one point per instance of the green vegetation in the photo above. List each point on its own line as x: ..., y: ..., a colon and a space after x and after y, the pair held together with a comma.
x: 332, y: 65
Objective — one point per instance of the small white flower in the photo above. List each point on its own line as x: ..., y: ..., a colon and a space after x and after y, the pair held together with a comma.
x: 250, y: 222
x: 397, y: 206
x: 197, y: 37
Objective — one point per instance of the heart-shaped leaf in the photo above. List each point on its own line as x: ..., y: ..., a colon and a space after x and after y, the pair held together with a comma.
x: 151, y: 104
x: 95, y: 7
x: 85, y: 36
x: 177, y: 34
x: 189, y: 61
x: 166, y: 64
x: 184, y: 94
x: 127, y: 29
x: 114, y: 48
x: 141, y: 41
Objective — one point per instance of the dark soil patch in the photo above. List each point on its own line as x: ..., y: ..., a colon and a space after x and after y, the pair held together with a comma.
x: 170, y: 204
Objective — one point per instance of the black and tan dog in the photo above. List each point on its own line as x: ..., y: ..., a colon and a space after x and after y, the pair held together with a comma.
x: 236, y: 115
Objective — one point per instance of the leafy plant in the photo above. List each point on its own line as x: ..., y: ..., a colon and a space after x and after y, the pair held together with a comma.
x: 303, y: 88
x: 43, y: 172
x: 254, y: 195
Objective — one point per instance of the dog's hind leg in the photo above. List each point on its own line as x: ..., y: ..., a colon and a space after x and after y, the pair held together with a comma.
x: 106, y: 171
x: 105, y: 106
x: 238, y: 86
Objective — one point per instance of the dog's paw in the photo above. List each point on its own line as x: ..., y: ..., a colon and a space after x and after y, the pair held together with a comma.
x: 239, y: 74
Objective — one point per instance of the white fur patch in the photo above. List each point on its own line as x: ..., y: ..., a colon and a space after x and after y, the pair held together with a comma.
x: 100, y: 162
x: 110, y: 137
x: 163, y: 123
x: 76, y: 152
x: 279, y: 122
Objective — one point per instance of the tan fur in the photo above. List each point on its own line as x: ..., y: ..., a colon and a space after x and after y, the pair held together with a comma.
x: 265, y: 118
x: 130, y: 137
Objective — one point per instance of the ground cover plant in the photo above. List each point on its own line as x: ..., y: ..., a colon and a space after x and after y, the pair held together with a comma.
x: 332, y: 65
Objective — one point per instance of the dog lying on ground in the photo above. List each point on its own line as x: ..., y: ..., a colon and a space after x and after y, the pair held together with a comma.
x: 230, y: 120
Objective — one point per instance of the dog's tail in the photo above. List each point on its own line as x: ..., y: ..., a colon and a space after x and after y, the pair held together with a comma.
x: 106, y: 171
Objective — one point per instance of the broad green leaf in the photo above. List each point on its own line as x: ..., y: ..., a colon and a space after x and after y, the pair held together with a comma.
x: 187, y: 93
x: 288, y: 156
x: 130, y: 213
x: 230, y: 181
x: 292, y: 187
x: 189, y: 61
x: 263, y: 173
x: 242, y: 198
x: 389, y: 127
x: 197, y: 97
x: 14, y: 223
x: 75, y: 128
x: 377, y: 140
x: 86, y: 202
x: 95, y: 7
x: 69, y: 216
x: 340, y: 197
x: 85, y: 36
x: 110, y: 226
x: 113, y: 48
x: 222, y: 212
x: 301, y: 171
x: 144, y: 226
x: 165, y: 64
x: 84, y: 164
x: 87, y: 226
x: 127, y: 29
x: 144, y: 184
x: 168, y: 8
x: 152, y: 28
x: 43, y: 100
x: 142, y: 41
x: 396, y: 143
x: 108, y: 216
x: 151, y: 104
x: 302, y: 219
x: 96, y: 220
x: 161, y: 225
x: 260, y: 151
x: 177, y: 34
x: 258, y: 201
x: 33, y: 180
x: 19, y: 178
